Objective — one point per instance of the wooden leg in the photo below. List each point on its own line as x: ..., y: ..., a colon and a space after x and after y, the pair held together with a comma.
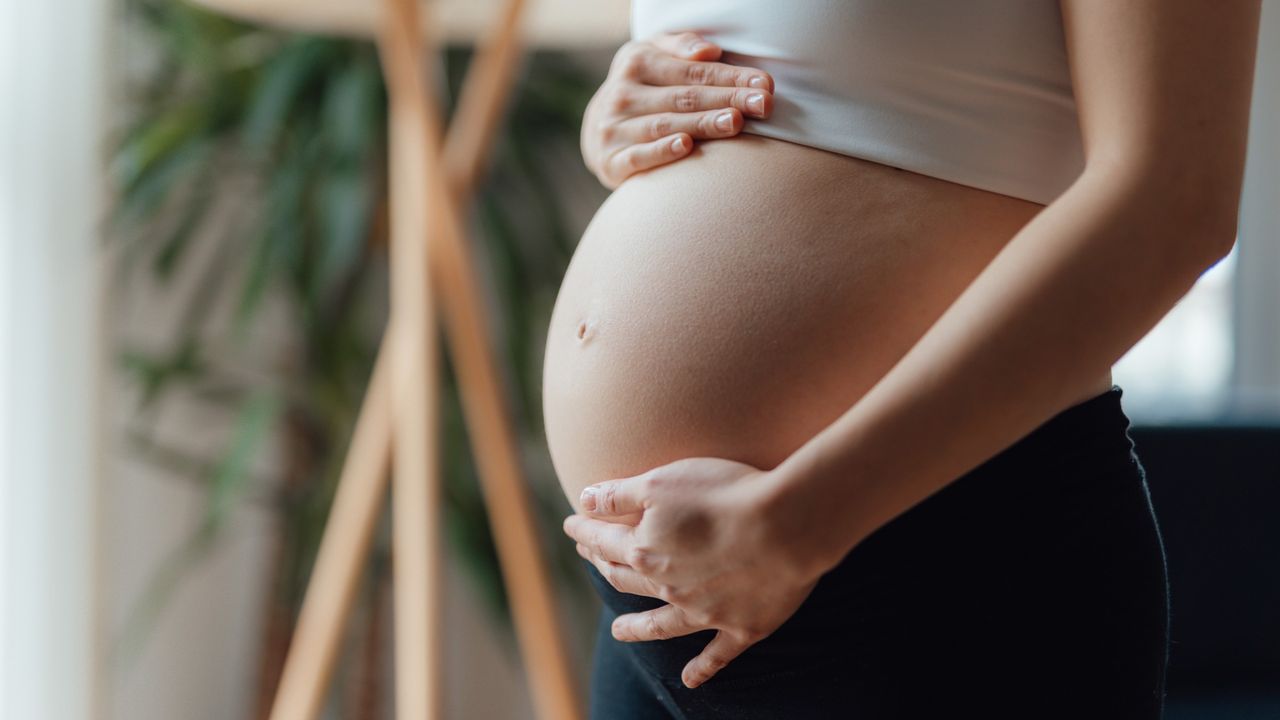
x: 311, y: 656
x: 524, y: 570
x: 346, y: 540
x: 415, y: 498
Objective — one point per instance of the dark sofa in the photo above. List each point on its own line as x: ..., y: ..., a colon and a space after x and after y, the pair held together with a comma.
x: 1216, y: 492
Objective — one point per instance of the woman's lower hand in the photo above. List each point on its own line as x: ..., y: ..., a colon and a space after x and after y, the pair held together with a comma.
x: 715, y: 539
x: 660, y: 94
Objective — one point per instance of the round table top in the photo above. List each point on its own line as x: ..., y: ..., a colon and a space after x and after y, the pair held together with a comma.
x: 547, y: 23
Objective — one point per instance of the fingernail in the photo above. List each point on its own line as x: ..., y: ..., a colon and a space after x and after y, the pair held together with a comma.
x: 698, y: 47
x: 757, y: 82
x: 677, y: 145
x: 724, y: 121
x: 588, y: 497
x: 755, y: 103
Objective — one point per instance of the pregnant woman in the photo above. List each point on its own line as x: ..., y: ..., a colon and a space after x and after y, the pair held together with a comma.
x: 828, y: 378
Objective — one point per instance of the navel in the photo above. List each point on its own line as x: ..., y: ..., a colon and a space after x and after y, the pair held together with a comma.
x: 586, y: 329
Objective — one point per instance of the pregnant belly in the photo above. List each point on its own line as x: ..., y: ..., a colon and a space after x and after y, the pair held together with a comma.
x: 736, y: 302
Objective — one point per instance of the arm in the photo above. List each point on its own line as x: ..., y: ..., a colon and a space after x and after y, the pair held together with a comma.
x: 1163, y: 90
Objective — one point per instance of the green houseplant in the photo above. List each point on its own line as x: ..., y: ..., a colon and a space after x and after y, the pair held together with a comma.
x: 293, y: 127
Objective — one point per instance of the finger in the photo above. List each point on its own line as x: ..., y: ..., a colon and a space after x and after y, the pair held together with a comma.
x: 610, y: 541
x: 661, y: 623
x: 721, y: 123
x: 632, y: 159
x: 714, y: 657
x: 658, y: 69
x: 623, y: 578
x: 689, y: 45
x: 618, y: 497
x: 647, y: 100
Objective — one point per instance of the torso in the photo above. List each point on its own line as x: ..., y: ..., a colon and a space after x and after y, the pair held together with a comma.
x: 735, y: 302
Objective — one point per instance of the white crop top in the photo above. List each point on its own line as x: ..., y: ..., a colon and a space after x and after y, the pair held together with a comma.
x: 977, y: 92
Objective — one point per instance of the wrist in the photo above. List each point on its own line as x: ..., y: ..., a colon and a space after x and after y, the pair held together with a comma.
x: 803, y: 521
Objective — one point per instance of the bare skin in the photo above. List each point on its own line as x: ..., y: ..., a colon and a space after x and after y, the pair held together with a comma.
x: 736, y: 544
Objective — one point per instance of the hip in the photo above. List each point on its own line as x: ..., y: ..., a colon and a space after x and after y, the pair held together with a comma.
x: 1037, y: 574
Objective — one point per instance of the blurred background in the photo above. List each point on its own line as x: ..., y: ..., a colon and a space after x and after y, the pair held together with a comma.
x: 193, y: 283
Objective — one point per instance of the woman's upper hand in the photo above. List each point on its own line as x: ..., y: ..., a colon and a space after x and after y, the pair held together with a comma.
x: 660, y: 94
x: 715, y: 540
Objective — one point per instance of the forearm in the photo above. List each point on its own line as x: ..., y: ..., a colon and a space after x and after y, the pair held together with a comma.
x: 1070, y: 293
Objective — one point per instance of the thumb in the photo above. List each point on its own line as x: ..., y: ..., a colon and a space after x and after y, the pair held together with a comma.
x: 615, y: 497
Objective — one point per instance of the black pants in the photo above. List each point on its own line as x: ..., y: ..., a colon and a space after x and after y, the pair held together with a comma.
x: 1032, y: 587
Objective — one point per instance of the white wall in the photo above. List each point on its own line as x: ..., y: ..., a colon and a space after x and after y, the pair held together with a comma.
x: 1257, y: 331
x: 50, y: 80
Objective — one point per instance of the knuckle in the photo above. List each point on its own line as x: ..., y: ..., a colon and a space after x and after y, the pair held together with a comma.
x: 654, y: 628
x: 751, y: 633
x: 607, y: 177
x: 631, y: 162
x: 655, y: 482
x: 720, y: 74
x: 736, y: 77
x: 711, y: 663
x: 659, y: 126
x: 664, y: 591
x: 624, y: 57
x: 673, y: 594
x: 699, y: 74
x: 617, y: 100
x: 662, y: 565
x: 640, y: 558
x: 633, y: 65
x: 606, y: 132
x: 606, y: 570
x: 685, y: 99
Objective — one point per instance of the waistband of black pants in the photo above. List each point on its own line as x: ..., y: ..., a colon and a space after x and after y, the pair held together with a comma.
x: 1096, y: 423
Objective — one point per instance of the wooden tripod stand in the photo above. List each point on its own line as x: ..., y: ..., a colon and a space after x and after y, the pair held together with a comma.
x: 430, y: 264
